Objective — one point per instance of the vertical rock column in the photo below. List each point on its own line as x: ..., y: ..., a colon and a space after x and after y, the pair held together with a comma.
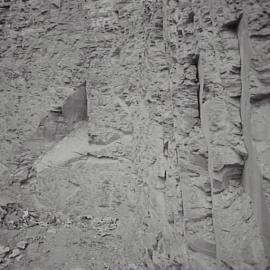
x: 254, y: 40
x: 219, y: 73
x: 156, y: 148
x: 191, y: 153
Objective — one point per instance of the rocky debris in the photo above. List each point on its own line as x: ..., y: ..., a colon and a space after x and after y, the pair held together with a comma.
x: 22, y: 245
x: 13, y: 216
x: 104, y: 226
x: 8, y: 255
x: 4, y: 250
x: 15, y: 253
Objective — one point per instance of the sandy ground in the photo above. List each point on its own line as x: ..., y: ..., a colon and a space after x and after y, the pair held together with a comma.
x: 74, y: 212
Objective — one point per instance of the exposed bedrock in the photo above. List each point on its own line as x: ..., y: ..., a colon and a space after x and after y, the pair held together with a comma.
x: 158, y: 113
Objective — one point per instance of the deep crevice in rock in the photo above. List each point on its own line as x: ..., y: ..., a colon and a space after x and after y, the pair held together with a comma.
x: 232, y: 25
x: 195, y: 62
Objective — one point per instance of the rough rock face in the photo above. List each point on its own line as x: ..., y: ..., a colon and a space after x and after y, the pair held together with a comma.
x: 147, y: 122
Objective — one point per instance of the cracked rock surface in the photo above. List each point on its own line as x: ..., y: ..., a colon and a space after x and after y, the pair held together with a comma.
x: 135, y: 134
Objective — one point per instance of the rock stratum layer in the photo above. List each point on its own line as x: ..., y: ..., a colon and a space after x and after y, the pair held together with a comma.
x: 154, y: 113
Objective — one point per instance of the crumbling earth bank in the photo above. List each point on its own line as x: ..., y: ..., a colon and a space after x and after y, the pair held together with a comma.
x: 135, y: 134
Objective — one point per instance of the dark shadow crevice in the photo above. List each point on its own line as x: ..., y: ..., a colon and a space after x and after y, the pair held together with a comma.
x: 61, y: 120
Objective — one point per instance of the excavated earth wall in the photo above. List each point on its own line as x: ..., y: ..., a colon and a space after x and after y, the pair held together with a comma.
x: 152, y: 112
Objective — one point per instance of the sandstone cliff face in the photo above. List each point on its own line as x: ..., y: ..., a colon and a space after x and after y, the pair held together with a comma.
x: 155, y: 113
